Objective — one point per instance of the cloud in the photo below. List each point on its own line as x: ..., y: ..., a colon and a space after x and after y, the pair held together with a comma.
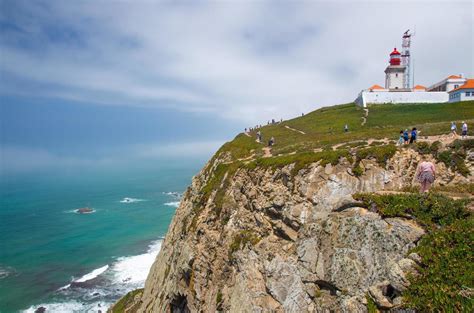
x: 15, y: 159
x: 247, y: 61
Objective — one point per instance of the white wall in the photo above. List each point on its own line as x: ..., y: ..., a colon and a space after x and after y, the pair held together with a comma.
x: 365, y: 97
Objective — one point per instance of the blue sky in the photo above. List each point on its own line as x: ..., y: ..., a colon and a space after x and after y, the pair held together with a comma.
x: 82, y: 81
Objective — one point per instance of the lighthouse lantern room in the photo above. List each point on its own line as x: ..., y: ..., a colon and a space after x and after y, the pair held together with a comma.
x: 395, y: 72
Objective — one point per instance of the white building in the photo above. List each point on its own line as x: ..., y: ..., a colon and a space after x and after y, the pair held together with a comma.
x: 448, y: 84
x: 451, y: 89
x: 464, y: 92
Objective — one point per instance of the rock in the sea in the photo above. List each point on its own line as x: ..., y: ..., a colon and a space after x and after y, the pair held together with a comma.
x: 41, y: 309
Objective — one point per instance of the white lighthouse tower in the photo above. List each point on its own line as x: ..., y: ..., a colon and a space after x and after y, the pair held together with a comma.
x: 395, y: 72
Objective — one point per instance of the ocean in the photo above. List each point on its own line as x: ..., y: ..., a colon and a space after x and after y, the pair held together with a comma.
x: 53, y: 257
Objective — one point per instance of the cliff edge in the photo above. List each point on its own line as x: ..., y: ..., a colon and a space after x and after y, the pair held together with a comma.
x: 310, y: 225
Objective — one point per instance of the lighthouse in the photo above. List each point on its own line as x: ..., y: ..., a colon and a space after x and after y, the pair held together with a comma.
x: 395, y: 72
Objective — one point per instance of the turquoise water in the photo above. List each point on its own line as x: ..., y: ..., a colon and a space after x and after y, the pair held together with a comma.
x: 45, y: 245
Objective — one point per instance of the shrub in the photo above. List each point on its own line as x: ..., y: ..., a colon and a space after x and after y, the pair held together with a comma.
x: 428, y: 210
x: 446, y: 275
x: 241, y: 239
x: 381, y: 153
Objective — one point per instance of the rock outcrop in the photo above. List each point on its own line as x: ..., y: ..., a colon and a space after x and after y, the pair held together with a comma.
x: 277, y: 241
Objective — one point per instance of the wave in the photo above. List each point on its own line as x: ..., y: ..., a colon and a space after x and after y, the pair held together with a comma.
x: 174, y: 194
x: 92, y: 274
x: 6, y: 271
x: 101, y: 287
x: 173, y: 204
x: 131, y: 200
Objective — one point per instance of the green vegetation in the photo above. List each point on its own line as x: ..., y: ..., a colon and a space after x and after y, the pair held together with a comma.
x: 455, y: 155
x: 323, y: 128
x: 125, y: 302
x: 429, y: 210
x: 445, y: 278
x: 241, y: 239
x: 380, y: 153
x: 371, y: 306
x: 300, y: 160
x: 218, y: 297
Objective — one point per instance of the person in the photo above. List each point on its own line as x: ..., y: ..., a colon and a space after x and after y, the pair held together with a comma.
x: 401, y: 140
x: 272, y: 140
x: 346, y: 128
x: 259, y: 136
x: 246, y: 129
x: 405, y: 136
x: 413, y: 135
x: 464, y: 130
x: 425, y: 174
x: 453, y: 129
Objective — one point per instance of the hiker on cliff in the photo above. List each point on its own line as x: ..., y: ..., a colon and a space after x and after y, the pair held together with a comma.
x: 401, y: 139
x: 259, y: 136
x: 454, y: 129
x: 414, y: 133
x: 425, y: 174
x: 346, y: 128
x: 405, y: 136
x: 271, y: 142
x: 464, y: 130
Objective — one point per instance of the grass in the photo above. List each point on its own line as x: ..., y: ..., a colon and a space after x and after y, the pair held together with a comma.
x: 241, y: 239
x: 126, y: 301
x: 445, y: 277
x: 324, y: 127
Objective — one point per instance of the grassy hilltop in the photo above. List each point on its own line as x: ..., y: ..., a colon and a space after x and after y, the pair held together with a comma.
x: 323, y: 128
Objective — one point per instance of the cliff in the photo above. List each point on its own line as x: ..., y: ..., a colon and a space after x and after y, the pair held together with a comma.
x: 293, y: 232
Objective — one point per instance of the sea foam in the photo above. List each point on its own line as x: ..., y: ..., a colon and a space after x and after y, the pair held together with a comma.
x: 123, y: 275
x: 173, y: 204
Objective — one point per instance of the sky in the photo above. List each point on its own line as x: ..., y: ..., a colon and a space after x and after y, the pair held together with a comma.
x: 94, y: 82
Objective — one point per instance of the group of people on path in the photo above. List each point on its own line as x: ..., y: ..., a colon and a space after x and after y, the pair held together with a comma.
x: 454, y: 129
x: 271, y: 142
x: 407, y: 137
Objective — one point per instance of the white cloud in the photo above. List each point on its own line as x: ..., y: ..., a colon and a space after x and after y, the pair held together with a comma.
x: 249, y: 61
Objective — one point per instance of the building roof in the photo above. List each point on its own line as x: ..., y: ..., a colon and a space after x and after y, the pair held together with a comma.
x: 469, y: 84
x: 454, y: 77
x: 395, y: 52
x: 375, y: 87
x: 419, y: 87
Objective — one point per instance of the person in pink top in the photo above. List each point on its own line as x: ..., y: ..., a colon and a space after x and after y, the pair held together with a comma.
x: 425, y: 174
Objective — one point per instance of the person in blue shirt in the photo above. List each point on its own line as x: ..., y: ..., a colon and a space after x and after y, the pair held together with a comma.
x: 413, y: 135
x: 405, y: 136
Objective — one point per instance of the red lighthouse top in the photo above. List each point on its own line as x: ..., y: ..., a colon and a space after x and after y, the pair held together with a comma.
x: 395, y: 57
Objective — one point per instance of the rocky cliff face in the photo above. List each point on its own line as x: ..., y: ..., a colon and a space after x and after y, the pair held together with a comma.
x: 277, y: 241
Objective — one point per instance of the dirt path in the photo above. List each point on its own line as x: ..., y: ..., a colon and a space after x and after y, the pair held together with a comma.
x: 295, y: 130
x: 247, y: 134
x: 267, y: 152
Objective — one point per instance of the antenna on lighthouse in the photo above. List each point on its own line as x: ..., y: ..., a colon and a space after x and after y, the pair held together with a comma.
x: 406, y: 44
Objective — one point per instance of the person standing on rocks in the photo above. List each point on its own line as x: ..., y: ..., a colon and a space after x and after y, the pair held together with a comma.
x: 425, y: 174
x: 414, y: 133
x: 464, y: 130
